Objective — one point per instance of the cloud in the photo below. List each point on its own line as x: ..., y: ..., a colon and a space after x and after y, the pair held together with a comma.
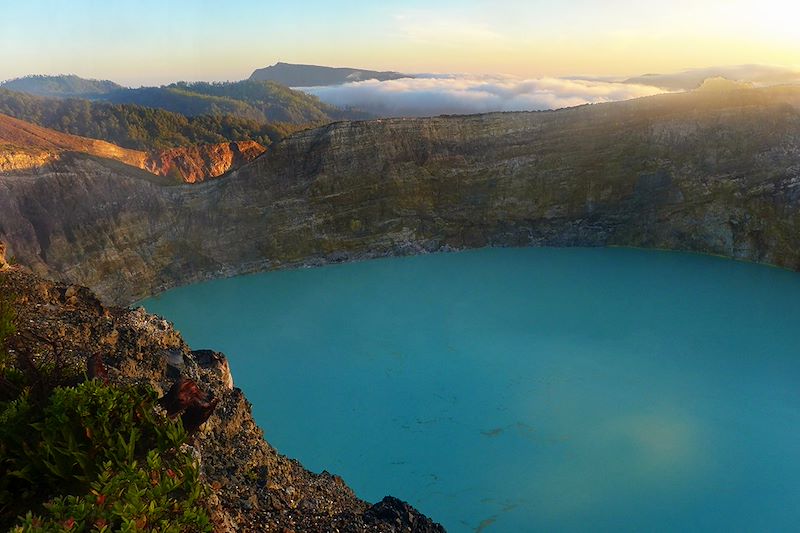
x: 464, y: 94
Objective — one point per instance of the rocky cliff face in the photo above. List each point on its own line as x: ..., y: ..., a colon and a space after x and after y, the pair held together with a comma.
x: 193, y: 164
x: 13, y: 158
x: 24, y: 146
x: 28, y: 147
x: 254, y: 488
x: 710, y: 172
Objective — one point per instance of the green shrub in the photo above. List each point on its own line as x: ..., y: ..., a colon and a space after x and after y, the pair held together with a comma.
x: 154, y: 498
x: 92, y: 442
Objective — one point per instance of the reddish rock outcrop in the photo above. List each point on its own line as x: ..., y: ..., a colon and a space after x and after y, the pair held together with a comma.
x: 194, y: 164
x: 26, y: 146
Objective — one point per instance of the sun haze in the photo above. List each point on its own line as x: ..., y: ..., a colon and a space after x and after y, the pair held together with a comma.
x: 147, y: 42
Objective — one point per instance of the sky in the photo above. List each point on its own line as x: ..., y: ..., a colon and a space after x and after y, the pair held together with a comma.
x: 145, y: 42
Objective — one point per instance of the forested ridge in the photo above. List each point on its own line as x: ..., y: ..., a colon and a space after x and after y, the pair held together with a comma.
x: 258, y: 100
x: 170, y: 116
x: 134, y: 126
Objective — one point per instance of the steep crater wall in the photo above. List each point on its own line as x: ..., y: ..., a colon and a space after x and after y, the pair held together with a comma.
x: 710, y: 172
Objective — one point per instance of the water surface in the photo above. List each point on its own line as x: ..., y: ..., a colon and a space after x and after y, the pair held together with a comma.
x: 511, y: 390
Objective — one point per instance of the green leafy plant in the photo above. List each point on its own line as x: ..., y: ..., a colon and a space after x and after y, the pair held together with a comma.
x: 147, y: 498
x: 94, y: 440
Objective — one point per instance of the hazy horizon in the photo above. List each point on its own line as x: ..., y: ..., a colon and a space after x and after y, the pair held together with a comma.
x: 146, y: 43
x: 421, y: 95
x: 609, y: 78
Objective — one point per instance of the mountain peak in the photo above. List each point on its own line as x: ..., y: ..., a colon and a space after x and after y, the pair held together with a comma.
x: 721, y: 83
x: 297, y: 75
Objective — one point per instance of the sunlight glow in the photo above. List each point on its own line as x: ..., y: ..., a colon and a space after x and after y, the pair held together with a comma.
x: 532, y: 39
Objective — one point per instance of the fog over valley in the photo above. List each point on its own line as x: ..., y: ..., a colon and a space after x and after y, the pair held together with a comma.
x: 435, y: 94
x: 465, y: 94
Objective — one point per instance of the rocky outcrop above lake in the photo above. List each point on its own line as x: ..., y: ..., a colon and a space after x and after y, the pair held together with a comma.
x: 713, y: 172
x: 253, y: 487
x: 193, y: 164
x: 26, y: 147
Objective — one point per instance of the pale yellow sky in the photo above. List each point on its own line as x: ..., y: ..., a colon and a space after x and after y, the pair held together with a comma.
x: 202, y: 39
x: 623, y: 38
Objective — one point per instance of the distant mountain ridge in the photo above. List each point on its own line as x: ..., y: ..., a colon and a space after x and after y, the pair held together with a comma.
x: 261, y: 101
x: 690, y: 79
x: 136, y: 127
x: 294, y: 75
x: 264, y: 101
x: 66, y: 85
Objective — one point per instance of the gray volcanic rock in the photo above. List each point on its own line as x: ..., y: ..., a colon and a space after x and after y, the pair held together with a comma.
x: 704, y: 171
x: 390, y: 510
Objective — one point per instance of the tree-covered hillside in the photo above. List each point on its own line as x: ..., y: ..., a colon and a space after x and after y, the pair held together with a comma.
x: 258, y: 100
x: 61, y: 86
x: 137, y: 127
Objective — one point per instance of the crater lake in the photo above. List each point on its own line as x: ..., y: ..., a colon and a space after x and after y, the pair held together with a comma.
x: 527, y: 389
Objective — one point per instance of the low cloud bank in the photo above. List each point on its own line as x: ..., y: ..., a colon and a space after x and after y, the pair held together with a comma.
x: 464, y: 94
x: 759, y: 75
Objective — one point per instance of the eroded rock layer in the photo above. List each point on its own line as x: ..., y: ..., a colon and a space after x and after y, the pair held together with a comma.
x: 28, y: 147
x: 193, y: 164
x: 715, y: 172
x: 24, y: 146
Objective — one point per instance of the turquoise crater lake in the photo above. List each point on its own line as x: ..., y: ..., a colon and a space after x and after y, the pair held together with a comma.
x: 518, y: 390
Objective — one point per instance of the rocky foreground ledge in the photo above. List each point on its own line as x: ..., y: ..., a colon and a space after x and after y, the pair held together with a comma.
x: 254, y: 488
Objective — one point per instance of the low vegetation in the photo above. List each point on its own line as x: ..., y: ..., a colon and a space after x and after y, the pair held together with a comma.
x: 88, y: 456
